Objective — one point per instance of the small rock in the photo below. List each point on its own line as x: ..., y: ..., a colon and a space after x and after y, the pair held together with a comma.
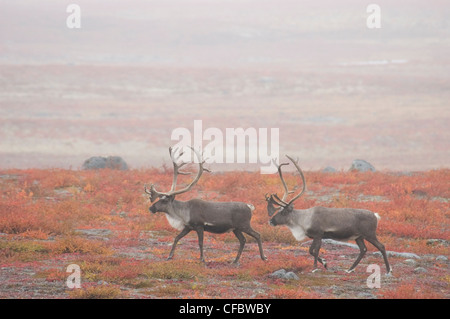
x: 437, y: 241
x: 123, y: 214
x: 398, y: 254
x: 102, y: 234
x: 366, y: 295
x: 102, y: 283
x: 291, y: 276
x: 258, y: 291
x: 329, y: 169
x: 420, y: 270
x: 441, y: 258
x: 362, y: 166
x: 99, y: 162
x: 283, y: 274
x: 278, y: 274
x: 410, y: 262
x: 335, y: 242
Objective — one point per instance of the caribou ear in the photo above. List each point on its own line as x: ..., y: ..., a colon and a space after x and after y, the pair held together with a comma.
x: 153, y: 193
x: 154, y: 196
x: 270, y: 207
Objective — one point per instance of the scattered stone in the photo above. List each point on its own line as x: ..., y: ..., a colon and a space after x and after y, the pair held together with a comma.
x: 362, y: 166
x: 411, y: 262
x: 397, y: 254
x: 441, y: 258
x: 123, y: 214
x: 329, y: 169
x: 438, y: 241
x: 388, y: 252
x: 283, y: 274
x: 420, y: 270
x: 341, y: 243
x: 102, y: 283
x: 291, y: 276
x: 278, y: 274
x: 372, y: 198
x: 366, y: 295
x: 95, y: 233
x: 99, y: 162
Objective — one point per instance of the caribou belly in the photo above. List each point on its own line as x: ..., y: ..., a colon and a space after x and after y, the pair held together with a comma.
x: 217, y: 229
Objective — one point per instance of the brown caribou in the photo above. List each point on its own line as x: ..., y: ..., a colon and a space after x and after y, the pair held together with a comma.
x: 319, y: 223
x: 200, y: 215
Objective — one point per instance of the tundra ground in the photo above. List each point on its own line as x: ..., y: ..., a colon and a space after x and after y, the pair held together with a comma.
x: 100, y: 221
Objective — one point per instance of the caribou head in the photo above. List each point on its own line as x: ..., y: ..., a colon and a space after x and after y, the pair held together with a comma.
x: 284, y: 207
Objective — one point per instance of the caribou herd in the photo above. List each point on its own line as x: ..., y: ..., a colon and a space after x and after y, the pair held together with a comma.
x: 316, y: 223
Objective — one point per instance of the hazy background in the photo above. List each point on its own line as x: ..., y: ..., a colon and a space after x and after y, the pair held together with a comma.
x: 138, y: 69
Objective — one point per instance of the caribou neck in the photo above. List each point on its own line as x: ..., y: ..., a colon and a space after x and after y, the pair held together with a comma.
x: 300, y: 217
x: 178, y: 214
x: 299, y: 222
x: 180, y: 208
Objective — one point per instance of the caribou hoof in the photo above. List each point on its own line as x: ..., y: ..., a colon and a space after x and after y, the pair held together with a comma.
x: 350, y: 271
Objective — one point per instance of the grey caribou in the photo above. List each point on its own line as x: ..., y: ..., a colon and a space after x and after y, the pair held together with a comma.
x: 200, y: 215
x: 319, y: 223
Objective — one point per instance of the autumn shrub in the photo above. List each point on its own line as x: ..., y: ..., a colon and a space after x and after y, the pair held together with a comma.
x: 278, y: 234
x: 124, y: 271
x: 293, y: 292
x: 278, y: 261
x: 75, y: 244
x: 52, y: 274
x: 182, y: 269
x: 409, y: 290
x: 96, y: 292
x: 21, y: 250
x: 42, y: 212
x: 35, y: 234
x: 27, y: 215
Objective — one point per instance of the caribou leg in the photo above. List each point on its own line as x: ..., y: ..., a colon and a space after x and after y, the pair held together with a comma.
x: 257, y: 236
x: 362, y: 252
x: 184, y: 232
x: 200, y: 231
x: 374, y: 241
x: 314, y: 251
x: 242, y: 241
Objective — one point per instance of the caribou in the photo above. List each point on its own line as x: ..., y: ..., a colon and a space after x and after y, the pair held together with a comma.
x: 200, y: 215
x: 317, y: 223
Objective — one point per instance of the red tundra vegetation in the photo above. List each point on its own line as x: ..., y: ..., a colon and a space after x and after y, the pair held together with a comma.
x: 99, y: 220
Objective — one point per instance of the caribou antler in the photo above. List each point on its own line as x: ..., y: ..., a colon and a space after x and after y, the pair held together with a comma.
x: 286, y: 190
x: 176, y: 167
x: 303, y: 180
x: 176, y: 171
x: 274, y: 199
x: 153, y: 193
